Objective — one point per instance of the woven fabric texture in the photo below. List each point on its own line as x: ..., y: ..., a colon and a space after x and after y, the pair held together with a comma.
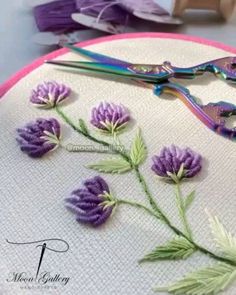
x: 104, y: 261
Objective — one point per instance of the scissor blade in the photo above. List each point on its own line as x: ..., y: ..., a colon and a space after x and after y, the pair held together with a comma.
x: 106, y: 68
x: 95, y: 56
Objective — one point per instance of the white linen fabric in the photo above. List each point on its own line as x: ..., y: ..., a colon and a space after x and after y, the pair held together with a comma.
x: 104, y: 261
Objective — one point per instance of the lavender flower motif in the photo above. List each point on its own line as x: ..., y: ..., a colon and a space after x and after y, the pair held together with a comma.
x: 39, y: 137
x: 109, y: 117
x: 49, y: 94
x: 92, y: 204
x: 176, y: 163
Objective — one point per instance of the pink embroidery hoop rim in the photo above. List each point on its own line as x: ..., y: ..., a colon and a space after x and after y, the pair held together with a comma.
x: 6, y: 86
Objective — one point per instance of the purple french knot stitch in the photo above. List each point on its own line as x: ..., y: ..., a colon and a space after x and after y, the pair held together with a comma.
x: 49, y: 94
x: 172, y: 158
x: 109, y: 117
x: 92, y: 204
x: 39, y: 137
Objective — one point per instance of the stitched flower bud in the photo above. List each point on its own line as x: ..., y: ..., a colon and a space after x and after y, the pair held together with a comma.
x: 109, y: 117
x: 176, y: 163
x: 92, y: 204
x: 49, y: 94
x: 39, y: 137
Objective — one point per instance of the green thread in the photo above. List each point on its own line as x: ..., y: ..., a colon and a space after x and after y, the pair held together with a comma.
x: 205, y: 281
x: 112, y: 165
x: 138, y: 152
x: 178, y: 232
x: 157, y: 212
x: 138, y: 205
x: 177, y: 248
x: 182, y: 210
x: 89, y: 136
x: 151, y: 200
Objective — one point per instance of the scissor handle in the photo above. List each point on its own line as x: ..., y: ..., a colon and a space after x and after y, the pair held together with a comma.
x: 213, y: 115
x: 224, y: 68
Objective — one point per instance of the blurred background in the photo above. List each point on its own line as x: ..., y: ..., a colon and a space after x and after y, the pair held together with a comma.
x: 32, y: 28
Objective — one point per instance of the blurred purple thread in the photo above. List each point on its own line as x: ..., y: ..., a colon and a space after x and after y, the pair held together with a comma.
x: 55, y: 16
x: 108, y: 11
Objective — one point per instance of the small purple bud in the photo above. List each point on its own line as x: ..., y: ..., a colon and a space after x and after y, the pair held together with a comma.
x: 92, y: 204
x: 176, y: 163
x: 109, y: 117
x: 49, y: 94
x: 39, y: 137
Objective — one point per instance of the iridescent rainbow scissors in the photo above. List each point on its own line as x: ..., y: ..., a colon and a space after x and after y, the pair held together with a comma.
x: 213, y: 115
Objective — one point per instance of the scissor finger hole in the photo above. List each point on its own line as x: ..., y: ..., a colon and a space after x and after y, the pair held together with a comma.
x: 233, y: 66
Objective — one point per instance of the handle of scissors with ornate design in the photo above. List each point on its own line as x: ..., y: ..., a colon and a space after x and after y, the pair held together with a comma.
x: 213, y: 115
x: 224, y: 68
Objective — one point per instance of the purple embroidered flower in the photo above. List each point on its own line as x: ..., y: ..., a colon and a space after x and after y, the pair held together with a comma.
x: 39, y: 137
x: 49, y: 94
x: 109, y: 117
x: 176, y: 163
x: 92, y: 204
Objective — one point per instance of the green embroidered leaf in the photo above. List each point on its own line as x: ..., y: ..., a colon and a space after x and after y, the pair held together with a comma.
x: 83, y: 126
x: 189, y: 199
x: 206, y: 281
x: 225, y: 241
x: 179, y: 248
x: 173, y: 176
x: 138, y: 151
x: 180, y: 172
x: 111, y: 166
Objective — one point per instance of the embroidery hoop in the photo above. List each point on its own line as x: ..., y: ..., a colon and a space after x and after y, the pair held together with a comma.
x: 44, y: 58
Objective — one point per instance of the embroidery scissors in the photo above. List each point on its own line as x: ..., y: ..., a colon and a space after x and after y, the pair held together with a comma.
x: 213, y: 115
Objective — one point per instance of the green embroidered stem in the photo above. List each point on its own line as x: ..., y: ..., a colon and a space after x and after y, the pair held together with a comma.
x: 89, y: 136
x: 118, y: 143
x: 177, y: 231
x: 182, y: 211
x: 200, y: 248
x: 122, y: 154
x: 138, y: 205
x: 149, y: 195
x: 157, y: 212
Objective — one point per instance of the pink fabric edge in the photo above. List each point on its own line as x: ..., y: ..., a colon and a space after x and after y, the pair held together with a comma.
x: 6, y: 86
